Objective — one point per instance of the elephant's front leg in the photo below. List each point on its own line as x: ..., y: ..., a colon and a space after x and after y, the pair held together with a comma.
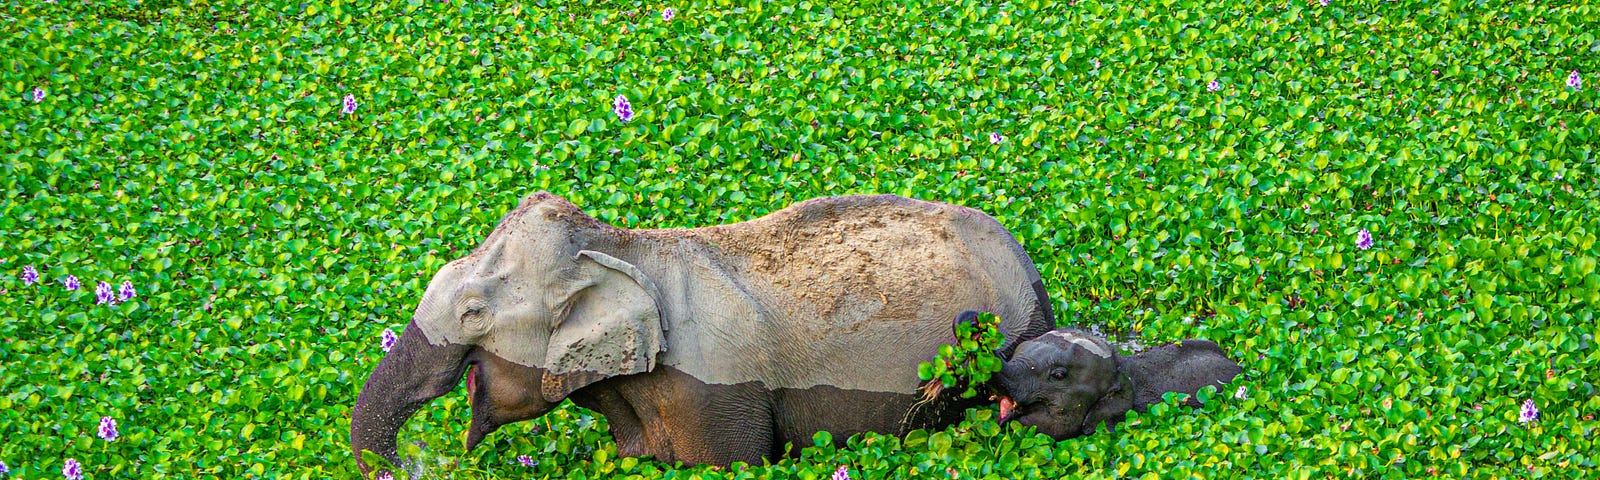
x: 676, y: 417
x: 626, y: 427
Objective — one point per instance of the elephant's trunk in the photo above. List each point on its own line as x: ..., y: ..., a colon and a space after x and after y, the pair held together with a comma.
x: 413, y: 373
x: 1008, y: 347
x: 1014, y: 388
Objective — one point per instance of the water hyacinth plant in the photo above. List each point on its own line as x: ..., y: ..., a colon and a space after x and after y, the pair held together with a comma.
x: 72, y: 470
x: 71, y: 283
x: 349, y: 104
x: 102, y: 293
x: 1529, y: 413
x: 995, y: 138
x: 842, y: 473
x: 622, y: 108
x: 667, y: 14
x: 1364, y: 239
x: 126, y: 292
x: 274, y: 239
x: 527, y: 461
x: 1214, y: 86
x: 969, y: 361
x: 387, y: 340
x: 108, y: 429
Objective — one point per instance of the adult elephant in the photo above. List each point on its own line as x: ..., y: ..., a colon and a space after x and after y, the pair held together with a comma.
x: 706, y: 345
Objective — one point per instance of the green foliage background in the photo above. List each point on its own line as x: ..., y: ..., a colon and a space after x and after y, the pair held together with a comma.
x: 196, y: 148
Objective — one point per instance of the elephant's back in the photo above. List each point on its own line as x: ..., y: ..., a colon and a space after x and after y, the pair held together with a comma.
x: 944, y: 253
x: 857, y: 290
x: 855, y: 260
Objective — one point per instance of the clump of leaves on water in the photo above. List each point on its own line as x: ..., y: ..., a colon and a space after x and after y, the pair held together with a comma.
x: 970, y: 359
x: 201, y: 151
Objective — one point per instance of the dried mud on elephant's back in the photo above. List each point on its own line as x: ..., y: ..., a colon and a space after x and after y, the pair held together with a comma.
x: 863, y: 259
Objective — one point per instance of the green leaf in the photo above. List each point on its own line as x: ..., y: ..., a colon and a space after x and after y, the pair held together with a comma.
x: 821, y: 439
x: 577, y: 127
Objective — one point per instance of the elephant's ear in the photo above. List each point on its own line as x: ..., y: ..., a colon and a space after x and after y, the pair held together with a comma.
x: 610, y: 325
x: 1114, y: 403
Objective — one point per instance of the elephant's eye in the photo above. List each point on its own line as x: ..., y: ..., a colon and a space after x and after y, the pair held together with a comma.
x: 1058, y: 374
x: 472, y: 311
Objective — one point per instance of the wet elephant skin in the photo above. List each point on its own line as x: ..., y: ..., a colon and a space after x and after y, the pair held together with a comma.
x: 671, y: 413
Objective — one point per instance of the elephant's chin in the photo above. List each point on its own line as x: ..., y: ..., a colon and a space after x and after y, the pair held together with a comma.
x: 1053, y: 427
x: 1030, y: 416
x: 501, y: 393
x: 480, y: 429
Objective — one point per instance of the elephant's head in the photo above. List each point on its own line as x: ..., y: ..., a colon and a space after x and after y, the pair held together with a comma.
x: 1066, y: 382
x: 534, y: 313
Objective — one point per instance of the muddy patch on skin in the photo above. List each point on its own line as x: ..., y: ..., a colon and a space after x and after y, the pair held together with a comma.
x: 1125, y: 341
x: 851, y: 261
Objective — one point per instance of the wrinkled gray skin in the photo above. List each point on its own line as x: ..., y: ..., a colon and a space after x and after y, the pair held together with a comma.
x: 1067, y: 382
x: 706, y: 345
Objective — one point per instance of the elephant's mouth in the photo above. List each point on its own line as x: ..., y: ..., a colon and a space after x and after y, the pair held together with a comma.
x: 1008, y: 409
x: 1013, y: 410
x: 1026, y: 411
x: 472, y: 384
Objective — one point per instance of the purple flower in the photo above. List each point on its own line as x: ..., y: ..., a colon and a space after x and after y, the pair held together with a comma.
x: 71, y: 283
x: 349, y: 104
x: 995, y: 138
x: 108, y: 429
x: 1213, y: 86
x: 1241, y: 394
x: 527, y: 461
x: 126, y: 293
x: 841, y: 474
x: 72, y: 470
x: 623, y: 109
x: 38, y: 94
x: 1530, y: 412
x: 1575, y: 82
x: 667, y: 14
x: 1363, y: 239
x: 3, y: 469
x: 1325, y: 2
x: 388, y: 340
x: 102, y: 293
x: 385, y: 476
x: 29, y: 275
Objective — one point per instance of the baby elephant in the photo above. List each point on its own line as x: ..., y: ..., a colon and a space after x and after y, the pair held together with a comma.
x: 1067, y: 382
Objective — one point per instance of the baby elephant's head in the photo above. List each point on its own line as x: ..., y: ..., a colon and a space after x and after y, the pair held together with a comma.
x: 1067, y: 382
